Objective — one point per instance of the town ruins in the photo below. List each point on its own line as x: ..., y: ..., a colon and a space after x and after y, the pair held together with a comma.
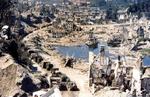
x: 74, y: 48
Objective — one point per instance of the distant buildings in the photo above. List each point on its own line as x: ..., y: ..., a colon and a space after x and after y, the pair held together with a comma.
x: 78, y: 2
x: 122, y: 15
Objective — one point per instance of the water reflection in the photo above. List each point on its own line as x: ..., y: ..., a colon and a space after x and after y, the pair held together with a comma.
x: 78, y: 52
x: 146, y: 61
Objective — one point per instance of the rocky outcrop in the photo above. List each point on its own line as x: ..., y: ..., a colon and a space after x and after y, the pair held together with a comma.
x: 8, y: 80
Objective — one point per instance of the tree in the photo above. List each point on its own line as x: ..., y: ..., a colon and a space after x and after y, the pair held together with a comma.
x: 140, y: 7
x: 111, y: 13
x: 6, y: 12
x: 12, y: 45
x: 98, y: 2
